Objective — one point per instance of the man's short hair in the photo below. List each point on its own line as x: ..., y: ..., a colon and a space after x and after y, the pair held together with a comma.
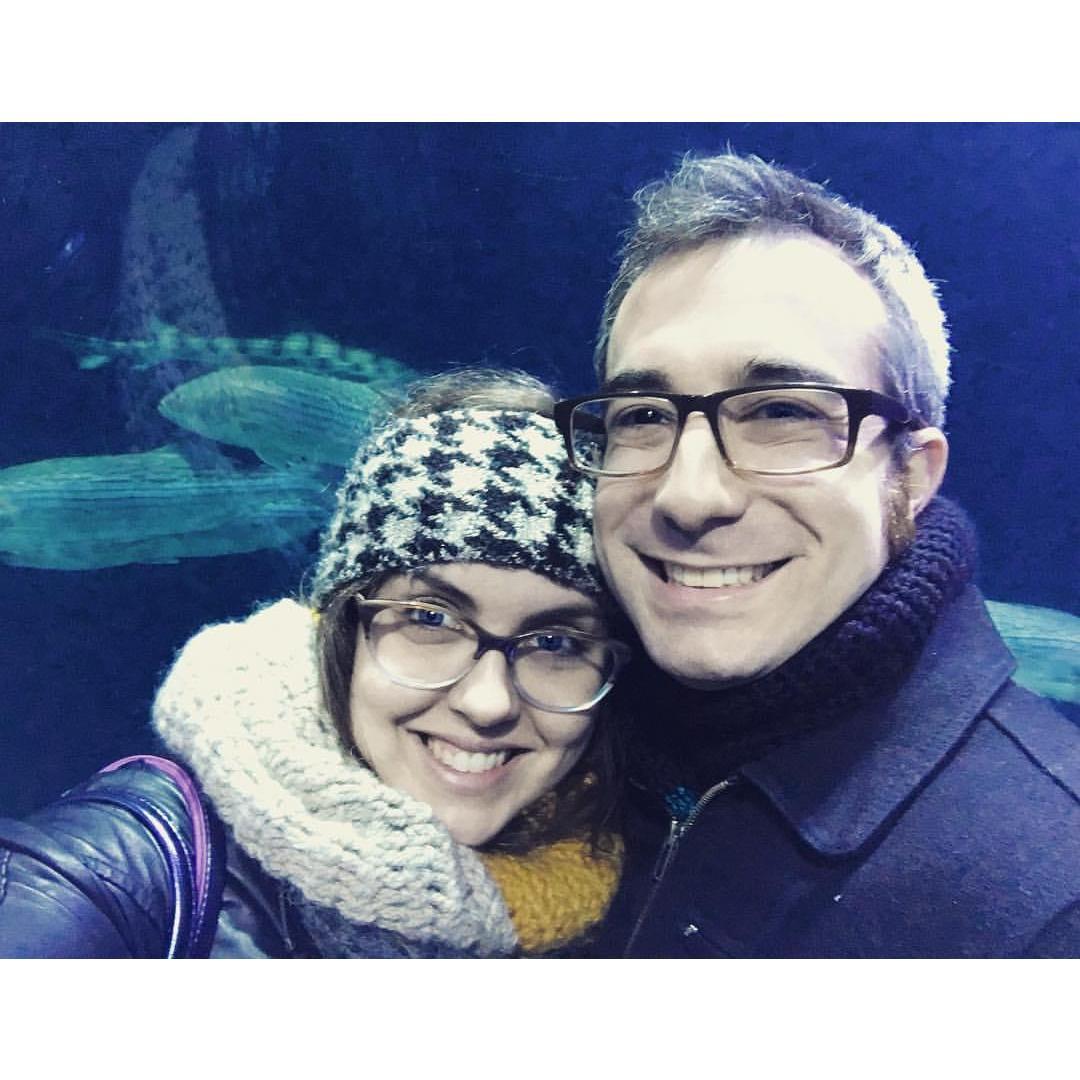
x: 709, y: 198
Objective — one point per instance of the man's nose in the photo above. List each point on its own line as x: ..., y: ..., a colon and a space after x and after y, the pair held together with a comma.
x: 699, y: 487
x: 486, y: 696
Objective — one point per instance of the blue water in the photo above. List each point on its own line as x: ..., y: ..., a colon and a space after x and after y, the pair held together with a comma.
x: 449, y: 244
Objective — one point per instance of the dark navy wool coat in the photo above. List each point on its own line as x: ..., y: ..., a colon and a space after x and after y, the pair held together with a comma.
x: 944, y: 822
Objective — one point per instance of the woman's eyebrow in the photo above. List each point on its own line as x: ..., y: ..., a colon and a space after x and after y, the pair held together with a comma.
x: 451, y: 592
x: 580, y: 616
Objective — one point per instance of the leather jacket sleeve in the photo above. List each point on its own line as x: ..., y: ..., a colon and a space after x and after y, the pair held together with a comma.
x: 86, y: 877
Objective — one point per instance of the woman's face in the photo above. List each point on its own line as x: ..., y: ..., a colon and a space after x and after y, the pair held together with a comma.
x: 476, y: 752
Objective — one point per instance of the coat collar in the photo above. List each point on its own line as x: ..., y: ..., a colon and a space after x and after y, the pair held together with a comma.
x: 837, y: 786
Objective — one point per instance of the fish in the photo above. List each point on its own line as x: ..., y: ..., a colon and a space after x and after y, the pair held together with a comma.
x: 286, y: 417
x: 1046, y: 645
x: 235, y: 538
x: 311, y: 352
x: 84, y: 513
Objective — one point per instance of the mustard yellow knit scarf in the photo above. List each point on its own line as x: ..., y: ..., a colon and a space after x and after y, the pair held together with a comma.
x: 556, y: 892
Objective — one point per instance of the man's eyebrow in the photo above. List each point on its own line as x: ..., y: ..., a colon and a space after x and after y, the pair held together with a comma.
x: 636, y: 379
x: 758, y: 369
x: 770, y: 370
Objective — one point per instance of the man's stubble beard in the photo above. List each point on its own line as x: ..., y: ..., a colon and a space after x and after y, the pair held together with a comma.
x: 899, y: 520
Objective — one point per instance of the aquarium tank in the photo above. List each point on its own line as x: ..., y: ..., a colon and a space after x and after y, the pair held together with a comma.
x: 198, y: 322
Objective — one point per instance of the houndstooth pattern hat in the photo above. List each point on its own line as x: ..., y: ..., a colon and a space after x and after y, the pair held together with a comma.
x: 464, y: 485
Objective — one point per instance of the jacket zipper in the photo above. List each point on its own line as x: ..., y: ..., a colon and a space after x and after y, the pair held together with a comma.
x: 666, y: 855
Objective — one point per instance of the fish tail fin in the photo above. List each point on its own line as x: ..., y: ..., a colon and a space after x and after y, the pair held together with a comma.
x: 95, y: 360
x: 95, y: 351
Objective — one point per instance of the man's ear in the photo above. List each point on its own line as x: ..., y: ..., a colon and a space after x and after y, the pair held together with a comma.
x: 925, y: 466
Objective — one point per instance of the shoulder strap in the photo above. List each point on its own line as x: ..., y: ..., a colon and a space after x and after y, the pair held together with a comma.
x: 196, y: 862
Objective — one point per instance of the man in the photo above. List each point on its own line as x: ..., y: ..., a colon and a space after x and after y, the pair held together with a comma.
x: 829, y: 757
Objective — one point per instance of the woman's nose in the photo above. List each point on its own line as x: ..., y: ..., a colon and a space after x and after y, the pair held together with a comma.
x: 486, y: 696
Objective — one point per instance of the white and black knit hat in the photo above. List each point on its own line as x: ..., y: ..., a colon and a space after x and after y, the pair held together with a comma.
x: 465, y: 485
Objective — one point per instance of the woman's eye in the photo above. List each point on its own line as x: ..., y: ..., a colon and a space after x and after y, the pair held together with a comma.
x: 435, y: 620
x: 563, y: 644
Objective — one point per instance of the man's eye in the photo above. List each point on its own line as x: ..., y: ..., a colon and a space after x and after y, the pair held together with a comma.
x: 639, y: 416
x: 782, y: 410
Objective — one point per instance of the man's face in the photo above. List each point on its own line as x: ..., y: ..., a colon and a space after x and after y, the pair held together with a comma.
x: 726, y: 576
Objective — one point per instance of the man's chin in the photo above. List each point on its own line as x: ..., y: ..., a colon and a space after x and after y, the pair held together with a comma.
x: 717, y: 683
x: 704, y: 672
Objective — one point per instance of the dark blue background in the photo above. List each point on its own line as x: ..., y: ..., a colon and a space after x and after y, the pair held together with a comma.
x: 446, y: 244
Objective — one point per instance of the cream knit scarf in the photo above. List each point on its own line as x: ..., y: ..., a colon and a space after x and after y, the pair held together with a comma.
x: 242, y: 707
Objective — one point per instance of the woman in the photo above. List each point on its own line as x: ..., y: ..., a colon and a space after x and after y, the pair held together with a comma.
x: 413, y: 762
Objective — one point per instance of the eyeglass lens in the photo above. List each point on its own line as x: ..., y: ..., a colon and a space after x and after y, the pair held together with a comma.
x: 551, y: 668
x: 772, y: 431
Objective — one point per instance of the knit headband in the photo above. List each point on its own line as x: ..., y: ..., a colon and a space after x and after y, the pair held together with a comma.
x: 464, y: 485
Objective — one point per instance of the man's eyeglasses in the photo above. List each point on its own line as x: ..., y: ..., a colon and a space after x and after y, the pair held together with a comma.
x: 428, y: 647
x: 776, y: 430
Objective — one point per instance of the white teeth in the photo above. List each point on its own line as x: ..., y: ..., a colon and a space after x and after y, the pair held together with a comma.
x: 463, y: 760
x: 718, y: 578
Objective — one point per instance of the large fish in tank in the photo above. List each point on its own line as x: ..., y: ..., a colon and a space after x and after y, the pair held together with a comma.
x: 86, y: 513
x: 272, y: 399
x: 1046, y: 644
x: 285, y: 417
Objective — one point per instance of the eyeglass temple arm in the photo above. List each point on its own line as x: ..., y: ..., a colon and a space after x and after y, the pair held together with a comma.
x: 892, y: 410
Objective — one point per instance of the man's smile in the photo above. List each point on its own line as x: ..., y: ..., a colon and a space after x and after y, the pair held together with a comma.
x: 720, y: 574
x: 718, y: 577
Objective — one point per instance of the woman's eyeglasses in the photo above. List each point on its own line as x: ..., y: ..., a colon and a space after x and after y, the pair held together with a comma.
x: 429, y: 647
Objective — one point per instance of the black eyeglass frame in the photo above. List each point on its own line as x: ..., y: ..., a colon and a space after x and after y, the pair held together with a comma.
x: 860, y: 404
x: 486, y: 642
